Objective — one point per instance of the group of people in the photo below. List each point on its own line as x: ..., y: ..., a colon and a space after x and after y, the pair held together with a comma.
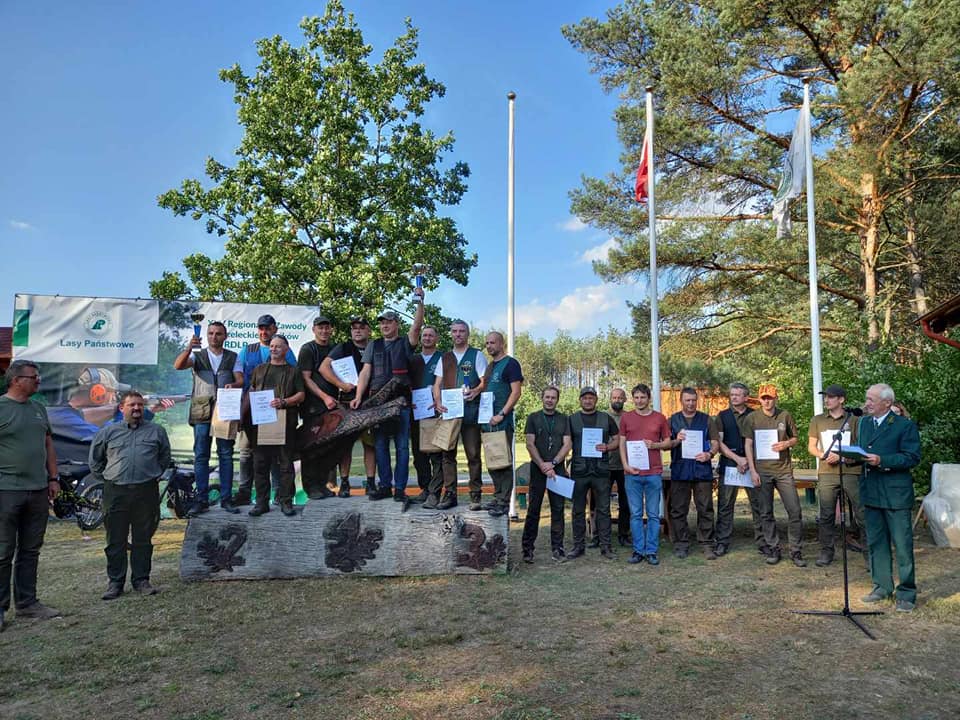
x: 594, y: 449
x: 877, y: 482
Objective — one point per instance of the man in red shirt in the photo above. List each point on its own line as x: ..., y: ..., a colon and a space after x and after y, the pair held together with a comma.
x: 644, y: 433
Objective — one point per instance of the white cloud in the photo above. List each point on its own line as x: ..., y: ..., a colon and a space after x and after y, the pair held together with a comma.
x: 20, y: 225
x: 578, y: 310
x: 598, y: 252
x: 573, y: 224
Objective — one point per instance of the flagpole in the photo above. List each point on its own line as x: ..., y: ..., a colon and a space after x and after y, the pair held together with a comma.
x: 511, y: 249
x: 652, y: 234
x: 812, y: 256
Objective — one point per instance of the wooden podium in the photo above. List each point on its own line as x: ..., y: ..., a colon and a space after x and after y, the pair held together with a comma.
x: 343, y: 536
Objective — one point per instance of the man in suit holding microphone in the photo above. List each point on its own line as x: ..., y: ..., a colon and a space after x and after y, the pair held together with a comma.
x: 892, y: 445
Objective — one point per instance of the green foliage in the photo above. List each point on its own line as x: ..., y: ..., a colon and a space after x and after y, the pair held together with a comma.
x: 337, y: 189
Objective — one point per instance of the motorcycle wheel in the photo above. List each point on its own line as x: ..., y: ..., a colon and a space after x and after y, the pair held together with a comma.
x: 90, y: 518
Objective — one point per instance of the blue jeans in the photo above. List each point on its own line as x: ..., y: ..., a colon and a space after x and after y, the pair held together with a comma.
x: 643, y: 493
x: 201, y: 461
x: 381, y: 444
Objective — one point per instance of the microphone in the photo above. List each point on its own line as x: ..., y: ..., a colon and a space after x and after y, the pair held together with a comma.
x: 855, y: 411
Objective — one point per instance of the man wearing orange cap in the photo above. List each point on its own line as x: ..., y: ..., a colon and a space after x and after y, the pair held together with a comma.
x: 768, y: 437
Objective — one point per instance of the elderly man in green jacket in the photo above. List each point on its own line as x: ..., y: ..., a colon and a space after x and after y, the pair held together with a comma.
x: 892, y: 444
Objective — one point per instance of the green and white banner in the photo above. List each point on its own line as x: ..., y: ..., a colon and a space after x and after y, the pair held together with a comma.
x: 53, y: 328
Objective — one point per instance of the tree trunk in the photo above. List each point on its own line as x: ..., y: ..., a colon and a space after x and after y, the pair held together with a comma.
x: 869, y: 250
x: 917, y: 290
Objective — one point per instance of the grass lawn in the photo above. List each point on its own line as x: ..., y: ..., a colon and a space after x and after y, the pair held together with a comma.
x: 587, y: 639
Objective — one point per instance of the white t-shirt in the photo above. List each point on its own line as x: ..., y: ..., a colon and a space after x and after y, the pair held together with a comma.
x: 215, y: 361
x: 481, y: 367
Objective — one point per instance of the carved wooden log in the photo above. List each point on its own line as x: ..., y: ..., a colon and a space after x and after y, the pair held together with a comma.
x: 343, y: 536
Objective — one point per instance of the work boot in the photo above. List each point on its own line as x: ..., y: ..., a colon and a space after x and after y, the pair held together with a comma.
x: 259, y: 509
x: 286, y: 507
x: 876, y: 595
x: 594, y: 543
x: 399, y: 495
x: 575, y: 553
x: 114, y: 590
x: 558, y: 555
x: 344, y: 489
x: 709, y: 554
x: 681, y: 553
x: 197, y: 507
x: 143, y: 587
x: 824, y: 557
x: 498, y: 510
x: 475, y: 502
x: 798, y: 559
x: 773, y: 557
x: 720, y: 550
x: 370, y: 487
x: 420, y: 497
x: 227, y: 506
x: 607, y: 553
x: 241, y: 498
x: 38, y: 611
x: 431, y: 503
x: 528, y: 556
x: 635, y: 558
x: 448, y: 501
x: 381, y: 493
x: 490, y: 505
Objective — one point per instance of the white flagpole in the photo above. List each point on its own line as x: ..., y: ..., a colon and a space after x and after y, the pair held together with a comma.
x: 652, y: 232
x: 812, y: 256
x: 511, y: 101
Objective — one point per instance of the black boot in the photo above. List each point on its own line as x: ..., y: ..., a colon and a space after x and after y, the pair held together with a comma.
x: 344, y: 488
x: 227, y: 506
x: 259, y: 509
x: 381, y: 493
x: 448, y: 501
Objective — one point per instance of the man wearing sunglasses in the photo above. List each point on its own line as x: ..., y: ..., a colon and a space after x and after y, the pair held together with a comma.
x: 28, y: 482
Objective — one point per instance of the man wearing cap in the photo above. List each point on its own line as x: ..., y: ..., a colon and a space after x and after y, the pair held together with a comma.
x: 590, y: 469
x: 505, y: 380
x: 428, y: 465
x: 383, y: 360
x: 823, y: 428
x: 352, y: 348
x: 321, y: 397
x: 892, y: 443
x: 213, y: 368
x: 250, y: 357
x: 692, y: 473
x: 463, y: 367
x: 771, y: 467
x: 732, y: 455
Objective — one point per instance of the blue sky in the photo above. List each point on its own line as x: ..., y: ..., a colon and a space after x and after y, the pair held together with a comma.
x: 106, y: 105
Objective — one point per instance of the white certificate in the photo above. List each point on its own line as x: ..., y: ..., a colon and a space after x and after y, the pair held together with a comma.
x: 692, y: 444
x: 561, y: 486
x: 422, y: 402
x: 826, y: 440
x: 588, y: 442
x: 261, y: 411
x: 228, y: 403
x: 763, y: 440
x: 732, y: 476
x: 638, y: 457
x: 345, y: 369
x: 452, y: 400
x: 486, y: 407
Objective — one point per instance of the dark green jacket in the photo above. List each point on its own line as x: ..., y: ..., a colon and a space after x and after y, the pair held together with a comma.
x: 897, y: 441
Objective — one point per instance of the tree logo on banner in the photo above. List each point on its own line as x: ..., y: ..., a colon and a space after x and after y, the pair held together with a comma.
x: 97, y: 323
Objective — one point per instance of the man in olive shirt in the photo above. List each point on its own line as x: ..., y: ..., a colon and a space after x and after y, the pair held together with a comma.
x: 773, y: 431
x: 548, y: 442
x: 618, y: 398
x: 129, y: 457
x: 28, y: 481
x: 823, y: 427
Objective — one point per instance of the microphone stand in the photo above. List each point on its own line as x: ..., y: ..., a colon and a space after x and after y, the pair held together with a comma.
x: 846, y: 611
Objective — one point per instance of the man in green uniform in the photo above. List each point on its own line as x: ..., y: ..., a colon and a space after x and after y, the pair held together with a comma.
x: 823, y: 428
x: 892, y: 443
x: 28, y: 481
x: 768, y: 437
x: 427, y: 465
x: 505, y: 381
x: 129, y: 457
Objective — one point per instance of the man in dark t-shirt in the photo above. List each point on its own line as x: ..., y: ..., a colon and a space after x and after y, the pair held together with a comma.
x: 321, y: 396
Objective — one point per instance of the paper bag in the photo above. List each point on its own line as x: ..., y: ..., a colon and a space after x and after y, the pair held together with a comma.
x: 496, y: 450
x: 446, y: 434
x: 274, y: 433
x: 428, y: 427
x: 223, y: 429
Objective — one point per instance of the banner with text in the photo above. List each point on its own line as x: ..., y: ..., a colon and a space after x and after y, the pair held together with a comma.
x: 53, y: 328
